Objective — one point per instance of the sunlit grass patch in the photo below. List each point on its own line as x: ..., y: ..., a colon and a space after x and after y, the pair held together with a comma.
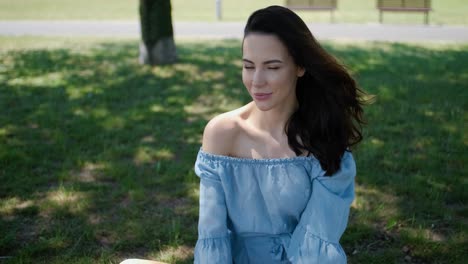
x: 175, y: 254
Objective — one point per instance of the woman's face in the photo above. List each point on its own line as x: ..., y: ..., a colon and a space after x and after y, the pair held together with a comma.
x: 269, y: 72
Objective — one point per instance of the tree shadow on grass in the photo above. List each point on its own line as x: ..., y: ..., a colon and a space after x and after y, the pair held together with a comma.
x: 97, y: 152
x: 411, y: 175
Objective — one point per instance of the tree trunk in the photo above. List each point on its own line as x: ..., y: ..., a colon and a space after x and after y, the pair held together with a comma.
x: 157, y: 45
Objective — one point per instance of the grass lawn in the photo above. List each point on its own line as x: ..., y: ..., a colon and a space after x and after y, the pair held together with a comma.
x: 97, y: 151
x: 349, y: 11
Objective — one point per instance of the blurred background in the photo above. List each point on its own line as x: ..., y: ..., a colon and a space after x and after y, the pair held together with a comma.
x: 445, y: 12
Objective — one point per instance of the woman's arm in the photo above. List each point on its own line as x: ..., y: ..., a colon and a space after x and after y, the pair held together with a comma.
x: 213, y: 245
x: 316, y: 237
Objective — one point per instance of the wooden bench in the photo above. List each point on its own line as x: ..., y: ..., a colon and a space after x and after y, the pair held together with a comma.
x: 318, y: 5
x: 404, y: 6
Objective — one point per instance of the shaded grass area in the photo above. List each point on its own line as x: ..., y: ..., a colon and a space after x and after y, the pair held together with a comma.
x: 349, y: 11
x: 97, y: 152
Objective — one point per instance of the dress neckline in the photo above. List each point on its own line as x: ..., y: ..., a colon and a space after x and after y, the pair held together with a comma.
x: 216, y: 157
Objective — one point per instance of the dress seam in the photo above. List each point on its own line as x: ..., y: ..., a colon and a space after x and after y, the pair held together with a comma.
x: 214, y: 237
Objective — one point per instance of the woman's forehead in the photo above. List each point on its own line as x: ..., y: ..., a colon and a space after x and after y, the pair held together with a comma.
x: 264, y: 46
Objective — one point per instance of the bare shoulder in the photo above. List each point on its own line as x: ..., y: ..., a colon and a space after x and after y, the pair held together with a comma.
x: 221, y: 133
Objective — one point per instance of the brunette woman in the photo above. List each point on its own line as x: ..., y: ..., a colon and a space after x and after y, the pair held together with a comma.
x: 277, y: 174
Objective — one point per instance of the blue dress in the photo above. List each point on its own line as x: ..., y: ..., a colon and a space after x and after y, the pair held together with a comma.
x: 272, y: 210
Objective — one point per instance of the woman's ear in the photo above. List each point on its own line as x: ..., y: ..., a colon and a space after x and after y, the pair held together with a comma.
x: 300, y: 71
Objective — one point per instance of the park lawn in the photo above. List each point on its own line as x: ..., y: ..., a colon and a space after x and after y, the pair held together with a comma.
x: 451, y: 12
x: 97, y: 151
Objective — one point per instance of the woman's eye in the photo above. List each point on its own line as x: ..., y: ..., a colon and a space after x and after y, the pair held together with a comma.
x: 248, y: 67
x: 273, y: 68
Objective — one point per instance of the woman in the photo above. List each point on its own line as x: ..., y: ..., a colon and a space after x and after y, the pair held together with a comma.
x: 277, y: 176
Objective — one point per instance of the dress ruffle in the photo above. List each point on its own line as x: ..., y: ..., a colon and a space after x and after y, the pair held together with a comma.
x: 313, y: 250
x: 213, y: 250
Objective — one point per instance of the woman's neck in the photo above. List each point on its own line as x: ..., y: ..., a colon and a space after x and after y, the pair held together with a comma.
x: 274, y: 120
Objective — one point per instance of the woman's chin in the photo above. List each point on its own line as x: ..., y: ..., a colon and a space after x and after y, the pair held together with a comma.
x: 262, y: 106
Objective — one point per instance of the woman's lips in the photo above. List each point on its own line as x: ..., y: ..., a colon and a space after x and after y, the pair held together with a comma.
x: 262, y: 96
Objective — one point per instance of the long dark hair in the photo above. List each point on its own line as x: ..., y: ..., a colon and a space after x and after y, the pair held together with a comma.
x: 329, y: 117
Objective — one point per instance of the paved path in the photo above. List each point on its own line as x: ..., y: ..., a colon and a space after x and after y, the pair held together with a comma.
x: 379, y: 32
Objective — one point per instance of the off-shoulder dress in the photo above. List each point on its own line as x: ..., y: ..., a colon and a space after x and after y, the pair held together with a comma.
x: 281, y: 210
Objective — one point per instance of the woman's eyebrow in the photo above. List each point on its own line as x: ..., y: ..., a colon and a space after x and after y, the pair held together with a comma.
x: 272, y: 61
x: 265, y: 62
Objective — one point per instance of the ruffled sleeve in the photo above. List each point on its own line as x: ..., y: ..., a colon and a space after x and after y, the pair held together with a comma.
x: 213, y: 245
x: 316, y: 237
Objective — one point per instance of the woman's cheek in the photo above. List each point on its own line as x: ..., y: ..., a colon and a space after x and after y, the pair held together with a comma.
x: 246, y: 79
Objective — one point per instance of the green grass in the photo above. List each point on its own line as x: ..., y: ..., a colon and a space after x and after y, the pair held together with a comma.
x: 349, y: 11
x: 97, y: 151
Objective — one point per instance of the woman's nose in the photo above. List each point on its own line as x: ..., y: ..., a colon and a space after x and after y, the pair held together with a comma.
x: 258, y: 79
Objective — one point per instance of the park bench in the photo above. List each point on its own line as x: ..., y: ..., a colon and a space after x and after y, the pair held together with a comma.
x: 318, y: 5
x: 404, y: 6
